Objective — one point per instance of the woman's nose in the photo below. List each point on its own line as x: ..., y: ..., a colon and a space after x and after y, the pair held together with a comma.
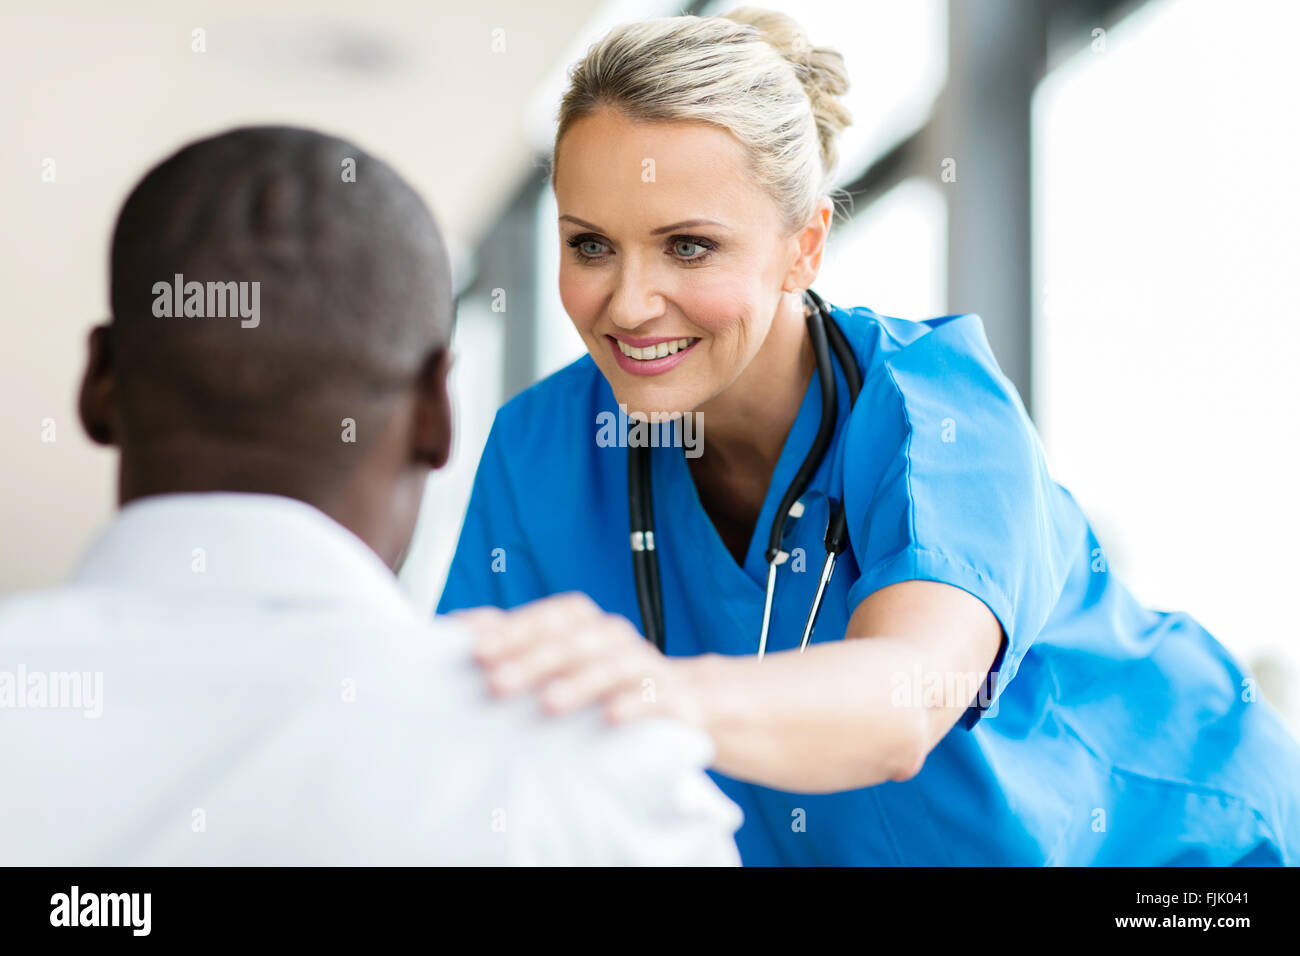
x: 636, y: 299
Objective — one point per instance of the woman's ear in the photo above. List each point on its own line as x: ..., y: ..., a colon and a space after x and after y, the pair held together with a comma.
x: 810, y: 244
x: 431, y: 441
x: 97, y: 404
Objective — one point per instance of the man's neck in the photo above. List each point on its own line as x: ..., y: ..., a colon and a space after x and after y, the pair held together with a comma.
x: 356, y: 500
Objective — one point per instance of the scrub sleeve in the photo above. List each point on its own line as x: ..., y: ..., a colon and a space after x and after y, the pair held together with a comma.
x: 958, y: 492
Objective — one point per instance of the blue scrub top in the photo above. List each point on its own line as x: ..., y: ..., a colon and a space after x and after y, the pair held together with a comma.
x: 1114, y: 734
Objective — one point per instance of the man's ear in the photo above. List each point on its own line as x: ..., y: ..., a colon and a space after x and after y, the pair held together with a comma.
x: 97, y: 404
x: 431, y: 443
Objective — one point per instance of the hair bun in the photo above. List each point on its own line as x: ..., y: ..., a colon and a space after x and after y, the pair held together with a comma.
x: 820, y: 69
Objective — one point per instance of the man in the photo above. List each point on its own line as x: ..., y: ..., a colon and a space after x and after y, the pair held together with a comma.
x: 232, y: 675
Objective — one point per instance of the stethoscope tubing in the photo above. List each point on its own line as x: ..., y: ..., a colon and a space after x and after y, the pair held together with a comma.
x: 826, y: 338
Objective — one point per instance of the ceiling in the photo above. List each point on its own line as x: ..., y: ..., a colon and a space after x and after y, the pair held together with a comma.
x: 441, y: 90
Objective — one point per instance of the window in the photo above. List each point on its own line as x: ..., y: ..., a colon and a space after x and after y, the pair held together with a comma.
x: 475, y: 386
x: 1165, y: 347
x: 558, y: 342
x: 892, y: 256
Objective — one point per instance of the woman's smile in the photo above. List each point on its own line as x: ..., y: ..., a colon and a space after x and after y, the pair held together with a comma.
x: 650, y: 356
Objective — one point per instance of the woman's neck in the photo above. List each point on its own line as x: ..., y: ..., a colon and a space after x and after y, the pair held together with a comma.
x: 746, y: 426
x: 745, y: 429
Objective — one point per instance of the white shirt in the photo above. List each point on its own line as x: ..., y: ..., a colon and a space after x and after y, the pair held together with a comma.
x: 239, y: 680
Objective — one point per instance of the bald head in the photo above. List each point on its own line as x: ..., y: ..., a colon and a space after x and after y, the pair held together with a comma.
x: 281, y: 302
x: 341, y: 257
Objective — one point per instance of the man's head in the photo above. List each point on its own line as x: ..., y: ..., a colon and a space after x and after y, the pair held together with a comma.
x: 282, y: 307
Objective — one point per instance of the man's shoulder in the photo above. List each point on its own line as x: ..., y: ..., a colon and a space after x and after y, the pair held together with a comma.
x: 384, y: 720
x: 115, y: 624
x: 42, y: 614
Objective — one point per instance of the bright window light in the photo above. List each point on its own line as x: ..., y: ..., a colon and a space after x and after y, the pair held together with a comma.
x: 896, y: 55
x: 1166, y: 349
x: 892, y: 256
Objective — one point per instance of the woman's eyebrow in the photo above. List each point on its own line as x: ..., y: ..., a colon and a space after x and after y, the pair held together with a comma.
x: 684, y: 224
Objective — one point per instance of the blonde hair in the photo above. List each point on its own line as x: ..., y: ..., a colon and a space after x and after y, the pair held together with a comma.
x: 751, y: 72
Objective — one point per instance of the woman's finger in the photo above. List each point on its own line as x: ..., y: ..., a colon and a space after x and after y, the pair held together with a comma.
x: 538, y: 621
x: 544, y: 660
x: 597, y: 680
x: 629, y: 705
x: 480, y: 620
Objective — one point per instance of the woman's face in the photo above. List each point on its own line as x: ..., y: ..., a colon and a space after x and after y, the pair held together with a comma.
x: 669, y: 251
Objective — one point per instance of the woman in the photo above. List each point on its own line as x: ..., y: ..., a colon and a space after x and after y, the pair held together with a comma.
x: 979, y: 687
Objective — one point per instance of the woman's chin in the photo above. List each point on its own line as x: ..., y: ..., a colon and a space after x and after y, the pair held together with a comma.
x: 655, y: 401
x: 651, y: 404
x: 651, y: 412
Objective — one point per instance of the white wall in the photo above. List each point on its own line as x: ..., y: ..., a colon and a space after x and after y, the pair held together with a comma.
x: 106, y: 90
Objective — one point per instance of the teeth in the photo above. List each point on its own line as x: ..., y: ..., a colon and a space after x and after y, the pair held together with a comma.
x: 653, y: 351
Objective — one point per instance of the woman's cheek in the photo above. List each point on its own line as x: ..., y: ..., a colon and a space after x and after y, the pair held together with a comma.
x: 715, y: 308
x: 580, y: 295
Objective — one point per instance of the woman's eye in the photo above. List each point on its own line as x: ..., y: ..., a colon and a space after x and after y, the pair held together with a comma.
x: 691, y: 250
x: 684, y: 249
x: 586, y: 248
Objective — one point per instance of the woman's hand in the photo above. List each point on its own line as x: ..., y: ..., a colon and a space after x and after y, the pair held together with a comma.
x: 576, y: 655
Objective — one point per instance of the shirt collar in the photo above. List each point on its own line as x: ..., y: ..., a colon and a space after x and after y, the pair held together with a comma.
x: 236, y: 544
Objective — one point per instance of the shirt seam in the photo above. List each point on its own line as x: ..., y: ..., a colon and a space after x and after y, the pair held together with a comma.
x: 907, y: 453
x: 911, y: 499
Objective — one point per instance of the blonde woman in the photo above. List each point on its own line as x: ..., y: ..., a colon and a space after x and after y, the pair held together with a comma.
x: 978, y: 686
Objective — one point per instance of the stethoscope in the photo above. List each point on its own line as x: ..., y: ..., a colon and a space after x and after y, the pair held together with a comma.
x: 826, y: 337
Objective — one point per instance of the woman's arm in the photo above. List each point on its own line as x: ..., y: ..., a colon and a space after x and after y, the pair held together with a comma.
x: 842, y: 715
x: 853, y: 713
